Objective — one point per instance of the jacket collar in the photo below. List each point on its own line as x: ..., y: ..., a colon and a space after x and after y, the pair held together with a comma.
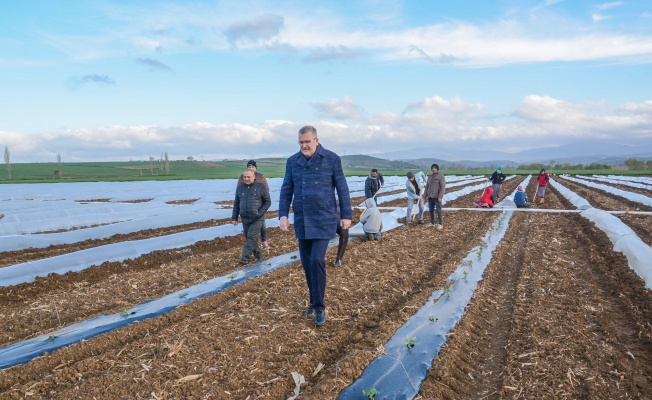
x: 302, y: 161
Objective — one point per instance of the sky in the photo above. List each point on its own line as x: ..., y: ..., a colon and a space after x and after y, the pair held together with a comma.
x: 101, y: 80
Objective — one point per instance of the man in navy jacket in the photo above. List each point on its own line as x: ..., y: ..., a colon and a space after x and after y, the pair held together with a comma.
x: 312, y: 176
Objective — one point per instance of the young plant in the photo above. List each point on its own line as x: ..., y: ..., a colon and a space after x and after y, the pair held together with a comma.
x: 447, y: 292
x: 465, y: 273
x: 371, y: 394
x: 183, y: 295
x: 232, y: 275
x: 124, y: 313
x: 432, y: 318
x: 410, y: 342
x: 52, y: 337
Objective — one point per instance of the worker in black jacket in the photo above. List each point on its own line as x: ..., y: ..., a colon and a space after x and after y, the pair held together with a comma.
x: 251, y: 202
x: 497, y: 179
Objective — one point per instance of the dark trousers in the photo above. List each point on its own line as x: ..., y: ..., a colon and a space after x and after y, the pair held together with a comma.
x: 251, y: 231
x: 343, y: 242
x: 263, y: 231
x: 313, y: 260
x: 434, y: 204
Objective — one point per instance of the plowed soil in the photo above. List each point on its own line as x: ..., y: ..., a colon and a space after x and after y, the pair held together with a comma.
x: 557, y: 315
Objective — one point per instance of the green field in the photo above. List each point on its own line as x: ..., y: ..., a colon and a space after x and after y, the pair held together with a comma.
x: 354, y: 165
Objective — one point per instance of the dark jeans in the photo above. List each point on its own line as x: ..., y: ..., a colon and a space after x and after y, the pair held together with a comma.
x: 434, y: 204
x: 251, y: 231
x: 343, y: 242
x: 313, y: 260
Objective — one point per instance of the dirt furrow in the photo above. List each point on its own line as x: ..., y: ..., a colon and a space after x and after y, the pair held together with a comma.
x: 246, y: 340
x: 600, y: 199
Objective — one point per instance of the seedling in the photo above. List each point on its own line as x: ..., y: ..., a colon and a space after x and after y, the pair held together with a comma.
x: 465, y: 273
x: 479, y: 253
x: 410, y: 342
x: 183, y: 295
x: 371, y: 394
x: 232, y: 275
x: 124, y: 313
x: 52, y: 337
x: 432, y: 318
x: 447, y: 292
x: 294, y: 257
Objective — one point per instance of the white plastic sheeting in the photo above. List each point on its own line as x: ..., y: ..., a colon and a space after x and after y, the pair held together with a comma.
x: 609, y: 179
x: 573, y: 197
x: 635, y: 197
x: 641, y: 179
x: 624, y: 239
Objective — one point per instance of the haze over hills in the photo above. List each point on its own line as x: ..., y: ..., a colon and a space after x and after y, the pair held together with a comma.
x: 579, y: 152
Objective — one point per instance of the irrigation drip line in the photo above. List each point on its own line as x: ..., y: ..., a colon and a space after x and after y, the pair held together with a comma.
x: 409, y: 353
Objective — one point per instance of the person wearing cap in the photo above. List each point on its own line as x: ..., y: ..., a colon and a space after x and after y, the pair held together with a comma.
x: 413, y: 197
x: 373, y: 184
x: 520, y: 199
x: 542, y: 180
x: 251, y: 202
x: 251, y: 166
x: 434, y: 192
x: 312, y: 177
x: 497, y: 179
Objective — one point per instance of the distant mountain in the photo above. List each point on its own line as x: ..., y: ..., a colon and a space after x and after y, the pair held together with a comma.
x: 575, y: 153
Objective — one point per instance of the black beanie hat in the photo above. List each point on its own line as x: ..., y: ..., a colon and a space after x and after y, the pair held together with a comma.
x: 252, y: 162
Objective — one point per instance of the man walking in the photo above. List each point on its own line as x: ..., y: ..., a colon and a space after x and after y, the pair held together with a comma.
x: 251, y: 165
x: 373, y: 184
x: 251, y: 202
x: 434, y: 192
x: 312, y: 176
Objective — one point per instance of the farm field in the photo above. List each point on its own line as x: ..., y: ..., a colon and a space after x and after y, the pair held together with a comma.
x: 558, y: 313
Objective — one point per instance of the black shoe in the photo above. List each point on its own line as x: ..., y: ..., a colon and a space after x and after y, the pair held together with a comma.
x: 244, y: 262
x: 259, y: 258
x: 337, y: 263
x: 309, y: 313
x: 320, y: 317
x: 420, y: 222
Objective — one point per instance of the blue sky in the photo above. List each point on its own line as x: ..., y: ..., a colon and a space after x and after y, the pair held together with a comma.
x: 119, y: 80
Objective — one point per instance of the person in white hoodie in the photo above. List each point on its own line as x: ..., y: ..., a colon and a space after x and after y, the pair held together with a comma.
x: 372, y: 221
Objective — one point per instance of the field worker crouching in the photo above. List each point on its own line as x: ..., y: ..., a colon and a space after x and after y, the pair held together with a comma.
x: 372, y: 221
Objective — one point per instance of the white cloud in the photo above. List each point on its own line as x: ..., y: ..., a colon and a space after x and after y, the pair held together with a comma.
x: 344, y: 109
x: 607, y: 6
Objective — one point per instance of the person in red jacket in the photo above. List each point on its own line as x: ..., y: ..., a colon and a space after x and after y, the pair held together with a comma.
x: 543, y: 184
x: 486, y: 200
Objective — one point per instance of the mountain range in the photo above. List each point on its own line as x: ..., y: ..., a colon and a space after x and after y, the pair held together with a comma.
x: 584, y: 152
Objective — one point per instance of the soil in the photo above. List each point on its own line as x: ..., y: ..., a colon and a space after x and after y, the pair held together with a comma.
x: 557, y: 315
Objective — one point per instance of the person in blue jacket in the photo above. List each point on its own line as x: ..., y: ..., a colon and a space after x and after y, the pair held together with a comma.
x: 312, y: 176
x: 520, y: 199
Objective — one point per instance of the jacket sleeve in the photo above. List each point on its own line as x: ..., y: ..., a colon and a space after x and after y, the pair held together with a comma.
x: 442, y: 187
x: 267, y: 202
x: 236, y: 207
x: 382, y: 180
x: 342, y: 188
x: 425, y: 188
x: 287, y: 191
x: 261, y: 178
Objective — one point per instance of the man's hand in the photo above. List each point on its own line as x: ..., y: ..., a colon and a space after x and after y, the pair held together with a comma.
x: 235, y: 223
x: 345, y: 223
x: 440, y: 199
x: 284, y: 223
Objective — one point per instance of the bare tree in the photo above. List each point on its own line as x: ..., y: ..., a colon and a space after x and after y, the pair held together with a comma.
x: 59, y: 162
x: 151, y: 165
x: 8, y: 161
x: 167, y: 164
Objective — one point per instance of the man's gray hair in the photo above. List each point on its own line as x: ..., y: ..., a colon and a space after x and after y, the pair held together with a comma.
x: 249, y: 172
x: 308, y: 129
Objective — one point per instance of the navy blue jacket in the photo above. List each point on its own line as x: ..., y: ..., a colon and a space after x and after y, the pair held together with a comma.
x: 251, y: 202
x: 519, y: 198
x: 309, y: 186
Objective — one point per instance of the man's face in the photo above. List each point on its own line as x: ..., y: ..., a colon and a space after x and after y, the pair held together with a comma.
x: 412, y: 179
x: 248, y: 177
x: 434, y: 170
x: 251, y: 167
x: 374, y: 174
x: 308, y: 143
